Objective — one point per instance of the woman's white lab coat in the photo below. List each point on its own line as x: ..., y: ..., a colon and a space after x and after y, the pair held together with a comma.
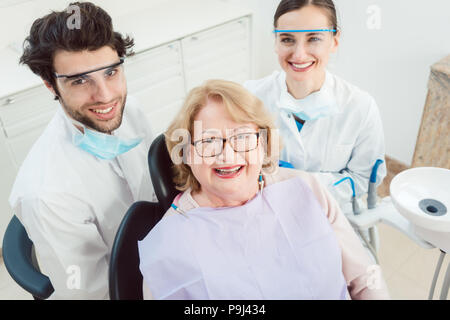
x: 346, y: 143
x: 71, y: 203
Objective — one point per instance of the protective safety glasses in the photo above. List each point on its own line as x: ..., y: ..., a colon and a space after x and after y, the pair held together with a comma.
x: 312, y: 40
x: 87, y: 80
x: 304, y: 30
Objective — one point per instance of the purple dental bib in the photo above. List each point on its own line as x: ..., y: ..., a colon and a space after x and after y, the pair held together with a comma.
x: 279, y: 245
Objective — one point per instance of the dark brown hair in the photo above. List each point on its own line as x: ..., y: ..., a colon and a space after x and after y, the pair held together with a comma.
x: 286, y: 6
x: 51, y: 33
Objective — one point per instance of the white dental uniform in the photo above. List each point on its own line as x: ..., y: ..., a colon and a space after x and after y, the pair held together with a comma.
x: 71, y: 202
x: 345, y: 143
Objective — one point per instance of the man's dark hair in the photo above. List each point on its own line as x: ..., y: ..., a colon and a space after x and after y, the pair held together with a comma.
x: 53, y: 32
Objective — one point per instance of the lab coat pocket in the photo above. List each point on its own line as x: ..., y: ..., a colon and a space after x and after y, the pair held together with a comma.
x: 338, y: 156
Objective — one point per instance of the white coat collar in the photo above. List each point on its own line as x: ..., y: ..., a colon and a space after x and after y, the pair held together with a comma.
x: 68, y: 122
x: 325, y: 96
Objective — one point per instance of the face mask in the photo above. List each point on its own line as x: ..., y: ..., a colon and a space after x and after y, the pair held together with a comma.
x: 310, y: 108
x: 317, y: 105
x: 102, y: 145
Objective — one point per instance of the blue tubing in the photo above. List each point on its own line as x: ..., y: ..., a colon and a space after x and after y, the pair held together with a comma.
x: 352, y: 184
x: 373, y: 175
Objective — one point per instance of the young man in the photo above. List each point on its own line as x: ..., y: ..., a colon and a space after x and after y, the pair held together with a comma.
x: 90, y: 164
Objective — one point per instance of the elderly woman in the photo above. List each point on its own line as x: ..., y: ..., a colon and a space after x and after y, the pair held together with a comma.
x: 243, y: 228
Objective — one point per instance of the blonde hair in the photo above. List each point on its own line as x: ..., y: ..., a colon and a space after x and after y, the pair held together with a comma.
x: 242, y: 106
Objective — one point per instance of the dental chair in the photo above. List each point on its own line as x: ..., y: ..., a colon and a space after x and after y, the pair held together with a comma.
x: 21, y: 263
x: 160, y: 166
x: 125, y: 279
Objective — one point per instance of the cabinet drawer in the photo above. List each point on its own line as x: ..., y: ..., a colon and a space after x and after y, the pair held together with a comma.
x: 27, y: 124
x: 203, y: 48
x: 220, y: 53
x: 225, y: 69
x: 213, y: 54
x: 155, y: 61
x: 155, y: 79
x: 161, y: 118
x: 33, y: 107
x: 228, y: 32
x: 155, y: 97
x: 20, y: 145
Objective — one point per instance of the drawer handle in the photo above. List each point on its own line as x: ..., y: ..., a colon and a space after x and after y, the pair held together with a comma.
x: 172, y: 47
x: 9, y: 101
x: 194, y: 38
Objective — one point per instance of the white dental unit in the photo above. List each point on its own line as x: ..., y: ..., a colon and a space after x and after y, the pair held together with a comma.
x: 419, y: 208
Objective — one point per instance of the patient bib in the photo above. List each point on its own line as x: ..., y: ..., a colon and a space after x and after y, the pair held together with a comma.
x: 279, y: 245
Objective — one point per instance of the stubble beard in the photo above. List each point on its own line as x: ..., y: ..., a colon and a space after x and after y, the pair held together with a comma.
x: 100, y: 126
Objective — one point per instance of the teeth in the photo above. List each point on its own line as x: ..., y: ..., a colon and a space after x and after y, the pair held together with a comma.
x: 304, y: 65
x: 103, y: 111
x: 228, y: 170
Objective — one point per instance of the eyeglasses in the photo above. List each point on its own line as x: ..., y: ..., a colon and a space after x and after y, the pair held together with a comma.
x: 85, y: 80
x: 211, y: 147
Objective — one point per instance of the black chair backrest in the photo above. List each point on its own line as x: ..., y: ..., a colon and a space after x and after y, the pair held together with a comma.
x: 125, y: 279
x: 18, y: 258
x: 160, y: 166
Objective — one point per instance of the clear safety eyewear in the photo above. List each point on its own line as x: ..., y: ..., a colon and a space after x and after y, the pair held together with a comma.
x: 83, y: 81
x: 304, y: 30
x: 314, y: 40
x: 211, y: 147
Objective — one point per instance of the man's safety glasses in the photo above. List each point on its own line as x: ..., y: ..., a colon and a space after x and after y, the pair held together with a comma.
x: 86, y: 80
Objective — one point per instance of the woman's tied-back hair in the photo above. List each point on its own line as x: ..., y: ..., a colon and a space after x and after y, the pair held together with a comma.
x: 52, y: 33
x: 328, y: 6
x: 242, y: 106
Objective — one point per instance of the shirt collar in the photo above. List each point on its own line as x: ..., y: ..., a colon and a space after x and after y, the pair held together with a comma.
x: 68, y: 122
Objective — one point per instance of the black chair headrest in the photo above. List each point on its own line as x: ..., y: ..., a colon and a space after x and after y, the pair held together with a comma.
x: 160, y: 166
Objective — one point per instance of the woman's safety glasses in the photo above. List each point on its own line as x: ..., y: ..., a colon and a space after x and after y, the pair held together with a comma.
x: 288, y: 40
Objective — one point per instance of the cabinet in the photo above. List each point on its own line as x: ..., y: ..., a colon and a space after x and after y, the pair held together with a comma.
x: 155, y: 78
x: 159, y: 77
x: 221, y: 53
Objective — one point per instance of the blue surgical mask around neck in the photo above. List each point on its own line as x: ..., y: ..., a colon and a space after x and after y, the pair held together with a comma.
x: 102, y: 145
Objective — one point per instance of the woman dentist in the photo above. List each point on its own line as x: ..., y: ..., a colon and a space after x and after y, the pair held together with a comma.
x: 329, y: 127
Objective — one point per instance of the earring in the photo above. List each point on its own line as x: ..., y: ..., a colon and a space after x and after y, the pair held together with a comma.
x: 261, y: 182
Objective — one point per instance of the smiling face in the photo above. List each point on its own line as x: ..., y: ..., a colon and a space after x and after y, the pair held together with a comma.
x: 230, y: 178
x: 303, y: 55
x: 96, y: 99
